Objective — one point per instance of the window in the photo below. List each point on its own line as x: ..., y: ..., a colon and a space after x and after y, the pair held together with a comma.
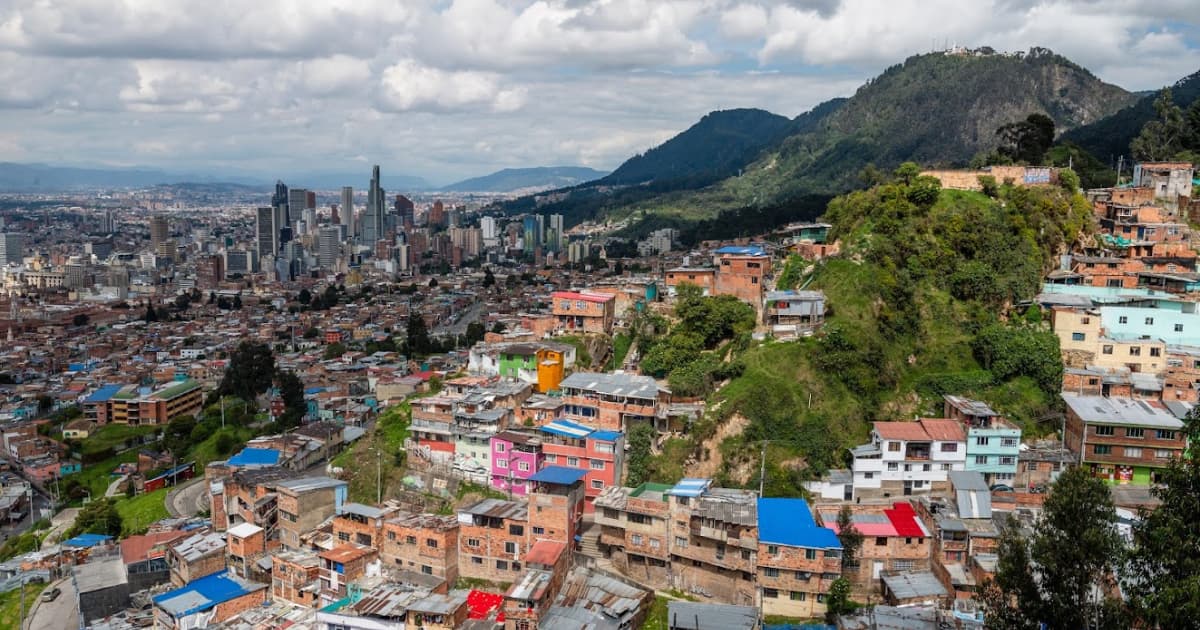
x: 510, y: 547
x: 1162, y: 453
x: 893, y: 447
x: 391, y: 535
x: 472, y: 542
x: 1008, y: 461
x: 1122, y: 320
x: 1101, y: 430
x: 770, y: 593
x: 869, y: 475
x: 1133, y: 451
x: 551, y: 458
x: 1078, y: 336
x: 573, y: 462
x: 1102, y: 449
x: 981, y: 459
x: 1155, y: 352
x: 771, y: 572
x: 500, y: 446
x: 798, y: 596
x: 1178, y: 327
x: 1134, y: 432
x: 538, y: 531
x: 597, y: 484
x: 344, y: 536
x: 1008, y: 442
x: 1031, y: 467
x: 597, y: 464
x: 501, y: 463
x: 523, y: 466
x: 516, y: 530
x: 363, y: 539
x: 604, y: 447
x: 903, y: 565
x: 881, y: 541
x: 641, y: 519
x: 773, y: 550
x: 820, y: 598
x: 810, y: 554
x: 908, y: 468
x: 476, y: 560
x: 893, y: 466
x: 949, y: 447
x: 426, y: 569
x: 654, y: 544
x: 945, y: 466
x: 1107, y: 349
x: 926, y: 467
x: 502, y: 565
x: 1164, y: 434
x: 431, y: 543
x: 680, y: 542
x: 1135, y: 351
x: 981, y: 441
x: 411, y: 540
x: 1149, y: 321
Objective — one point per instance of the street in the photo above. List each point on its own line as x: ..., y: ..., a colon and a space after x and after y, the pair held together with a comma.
x: 459, y: 327
x: 187, y: 499
x: 59, y: 614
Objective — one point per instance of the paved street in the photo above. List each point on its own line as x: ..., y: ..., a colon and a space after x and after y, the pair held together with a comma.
x: 59, y: 525
x: 187, y: 499
x: 459, y: 327
x: 59, y: 614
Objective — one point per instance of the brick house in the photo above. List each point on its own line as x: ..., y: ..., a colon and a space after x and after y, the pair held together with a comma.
x: 894, y: 539
x: 295, y: 577
x: 714, y: 540
x: 585, y: 312
x: 634, y: 530
x: 305, y: 503
x: 195, y: 557
x: 422, y: 543
x: 516, y: 456
x: 360, y: 524
x: 1122, y: 440
x: 600, y: 454
x: 207, y: 601
x: 340, y: 566
x: 556, y: 500
x: 741, y: 272
x: 493, y: 538
x: 797, y: 559
x: 613, y: 402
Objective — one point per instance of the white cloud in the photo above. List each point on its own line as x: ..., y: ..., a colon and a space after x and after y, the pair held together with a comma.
x: 744, y: 21
x: 407, y: 85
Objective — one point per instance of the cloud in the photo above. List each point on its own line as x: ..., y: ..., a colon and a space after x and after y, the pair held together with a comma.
x: 408, y: 85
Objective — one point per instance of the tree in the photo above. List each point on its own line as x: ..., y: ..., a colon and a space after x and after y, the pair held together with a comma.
x: 433, y: 283
x: 225, y: 443
x: 237, y: 302
x: 907, y: 172
x: 1163, y: 571
x: 176, y: 438
x: 311, y: 333
x: 151, y: 315
x: 333, y: 351
x: 489, y: 279
x: 1057, y: 576
x: 183, y: 301
x: 98, y: 517
x: 475, y: 333
x: 81, y: 319
x: 641, y: 438
x: 417, y: 334
x: 249, y: 373
x: 304, y: 297
x: 1162, y: 137
x: 291, y: 390
x: 850, y: 537
x: 838, y: 603
x: 499, y: 327
x: 1027, y: 140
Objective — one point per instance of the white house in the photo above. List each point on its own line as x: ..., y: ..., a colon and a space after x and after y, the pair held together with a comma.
x: 908, y: 457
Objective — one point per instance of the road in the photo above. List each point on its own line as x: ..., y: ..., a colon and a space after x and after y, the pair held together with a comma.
x: 459, y: 327
x: 188, y: 499
x: 59, y: 614
x: 60, y: 523
x: 114, y: 488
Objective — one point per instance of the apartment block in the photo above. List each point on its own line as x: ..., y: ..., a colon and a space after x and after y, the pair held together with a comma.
x: 635, y: 530
x: 295, y: 577
x: 360, y: 524
x: 584, y: 312
x: 134, y: 405
x: 422, y: 543
x: 556, y: 500
x: 305, y: 503
x: 600, y: 454
x: 516, y: 456
x: 797, y: 559
x: 340, y: 566
x: 614, y: 402
x: 714, y: 540
x: 908, y: 457
x: 993, y: 443
x: 493, y: 537
x: 1122, y: 440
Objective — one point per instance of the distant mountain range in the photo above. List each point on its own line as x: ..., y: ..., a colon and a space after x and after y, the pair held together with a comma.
x: 937, y: 109
x: 526, y: 179
x: 16, y: 177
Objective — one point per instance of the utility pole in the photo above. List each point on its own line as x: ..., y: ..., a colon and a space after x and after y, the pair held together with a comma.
x: 762, y: 469
x: 222, y: 412
x: 379, y: 476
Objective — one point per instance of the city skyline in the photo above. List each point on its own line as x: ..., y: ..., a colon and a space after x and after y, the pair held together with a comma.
x: 460, y: 89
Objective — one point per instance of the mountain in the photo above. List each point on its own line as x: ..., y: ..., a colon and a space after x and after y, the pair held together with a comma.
x: 360, y: 180
x: 16, y: 177
x: 532, y: 179
x: 1110, y: 137
x: 716, y: 147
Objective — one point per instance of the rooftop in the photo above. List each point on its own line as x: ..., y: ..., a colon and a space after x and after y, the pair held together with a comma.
x: 205, y: 593
x: 913, y: 585
x: 1123, y: 411
x: 630, y: 385
x: 559, y: 475
x: 497, y: 508
x: 99, y: 575
x: 790, y: 522
x: 684, y: 615
x: 255, y: 457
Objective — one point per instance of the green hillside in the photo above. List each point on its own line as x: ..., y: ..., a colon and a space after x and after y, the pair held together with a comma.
x: 1109, y: 137
x: 921, y: 304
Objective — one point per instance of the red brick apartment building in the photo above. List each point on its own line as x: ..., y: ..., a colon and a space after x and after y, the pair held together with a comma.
x: 422, y: 543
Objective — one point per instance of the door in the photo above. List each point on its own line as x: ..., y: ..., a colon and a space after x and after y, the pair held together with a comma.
x: 876, y: 569
x: 908, y: 488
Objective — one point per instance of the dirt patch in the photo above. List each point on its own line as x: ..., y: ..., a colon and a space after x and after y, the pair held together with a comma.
x: 708, y: 467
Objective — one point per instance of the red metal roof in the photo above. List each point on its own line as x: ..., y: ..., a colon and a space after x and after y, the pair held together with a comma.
x: 904, y: 519
x: 907, y: 431
x: 546, y: 552
x: 944, y: 430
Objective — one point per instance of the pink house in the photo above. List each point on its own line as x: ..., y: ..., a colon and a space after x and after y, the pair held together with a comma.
x: 516, y: 456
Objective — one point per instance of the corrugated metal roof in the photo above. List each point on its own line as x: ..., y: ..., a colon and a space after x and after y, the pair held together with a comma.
x: 683, y: 615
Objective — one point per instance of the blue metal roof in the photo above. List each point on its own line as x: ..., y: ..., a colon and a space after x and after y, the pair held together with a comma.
x: 790, y: 522
x: 255, y: 457
x: 87, y: 540
x: 103, y: 394
x: 749, y: 250
x: 202, y: 594
x: 566, y: 428
x: 690, y: 487
x: 560, y: 475
x: 605, y: 436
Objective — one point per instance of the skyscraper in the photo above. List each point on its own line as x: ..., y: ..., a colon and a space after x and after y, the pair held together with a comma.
x: 373, y: 219
x: 532, y: 233
x: 488, y: 226
x: 554, y: 236
x: 297, y: 201
x: 266, y: 232
x: 11, y: 248
x: 158, y: 230
x: 280, y: 198
x: 346, y: 212
x: 437, y: 215
x: 329, y: 247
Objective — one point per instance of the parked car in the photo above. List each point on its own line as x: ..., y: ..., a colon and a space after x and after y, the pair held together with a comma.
x: 1001, y: 488
x: 51, y: 594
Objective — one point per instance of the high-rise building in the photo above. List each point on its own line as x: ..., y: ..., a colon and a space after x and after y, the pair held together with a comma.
x: 405, y: 209
x: 239, y: 261
x: 554, y: 236
x: 297, y: 201
x: 158, y: 230
x: 310, y: 220
x: 108, y: 224
x: 437, y: 215
x: 310, y: 200
x: 329, y: 247
x: 267, y: 232
x: 532, y: 233
x: 488, y: 226
x: 280, y: 198
x: 346, y: 212
x: 373, y: 219
x: 210, y: 271
x: 12, y: 248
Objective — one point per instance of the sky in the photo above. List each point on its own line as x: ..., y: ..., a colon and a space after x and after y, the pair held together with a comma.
x: 448, y: 89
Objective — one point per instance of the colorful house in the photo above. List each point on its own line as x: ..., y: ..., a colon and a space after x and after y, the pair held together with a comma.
x: 599, y: 453
x: 516, y: 456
